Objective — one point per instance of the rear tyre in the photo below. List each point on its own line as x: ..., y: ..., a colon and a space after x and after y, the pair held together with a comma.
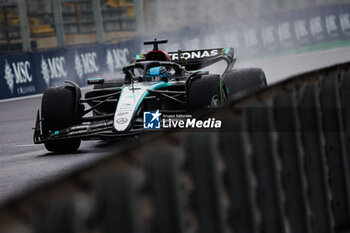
x: 61, y: 109
x: 244, y: 80
x: 203, y: 91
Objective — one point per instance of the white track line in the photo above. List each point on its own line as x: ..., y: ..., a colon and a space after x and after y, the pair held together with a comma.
x: 32, y: 96
x: 25, y: 145
x: 20, y: 98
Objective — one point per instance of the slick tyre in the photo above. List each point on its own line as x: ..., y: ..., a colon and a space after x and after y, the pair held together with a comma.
x: 244, y: 80
x: 203, y: 90
x: 60, y: 109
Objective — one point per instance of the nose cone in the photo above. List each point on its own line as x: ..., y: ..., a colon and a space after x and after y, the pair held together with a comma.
x: 128, y: 102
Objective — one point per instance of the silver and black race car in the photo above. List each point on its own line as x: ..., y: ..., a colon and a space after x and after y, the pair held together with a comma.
x: 169, y: 83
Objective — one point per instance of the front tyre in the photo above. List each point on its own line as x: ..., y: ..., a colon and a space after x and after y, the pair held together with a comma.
x: 61, y: 109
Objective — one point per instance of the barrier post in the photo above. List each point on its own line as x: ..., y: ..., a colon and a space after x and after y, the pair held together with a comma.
x: 23, y: 21
x: 96, y: 8
x: 290, y: 149
x: 237, y: 157
x: 57, y: 15
x: 315, y: 159
x: 335, y: 150
x: 203, y: 160
x: 163, y: 169
x: 265, y: 158
x: 139, y: 16
x: 345, y: 102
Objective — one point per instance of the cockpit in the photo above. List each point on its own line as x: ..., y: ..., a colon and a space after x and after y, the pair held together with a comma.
x: 156, y: 74
x: 153, y: 71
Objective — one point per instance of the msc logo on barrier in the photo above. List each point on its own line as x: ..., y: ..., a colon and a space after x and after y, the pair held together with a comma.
x: 18, y: 73
x: 53, y: 68
x: 85, y: 63
x: 151, y: 120
x: 116, y: 58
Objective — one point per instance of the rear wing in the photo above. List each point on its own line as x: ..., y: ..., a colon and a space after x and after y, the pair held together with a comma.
x: 197, y: 59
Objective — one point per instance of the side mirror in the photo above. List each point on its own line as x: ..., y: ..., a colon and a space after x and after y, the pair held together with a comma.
x: 202, y: 72
x: 95, y: 81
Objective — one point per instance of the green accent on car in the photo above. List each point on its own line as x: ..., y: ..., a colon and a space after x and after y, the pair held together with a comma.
x: 153, y: 87
x: 227, y: 50
x: 56, y: 132
x: 130, y: 96
x: 221, y: 94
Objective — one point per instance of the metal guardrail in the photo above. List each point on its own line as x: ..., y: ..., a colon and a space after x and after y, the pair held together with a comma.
x: 18, y: 23
x: 279, y: 164
x: 78, y: 18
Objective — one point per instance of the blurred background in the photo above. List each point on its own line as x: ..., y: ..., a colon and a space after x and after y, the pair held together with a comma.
x: 44, y: 42
x: 76, y: 18
x: 122, y: 19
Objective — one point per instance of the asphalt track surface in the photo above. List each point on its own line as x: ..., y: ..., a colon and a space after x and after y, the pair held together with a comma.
x: 24, y: 165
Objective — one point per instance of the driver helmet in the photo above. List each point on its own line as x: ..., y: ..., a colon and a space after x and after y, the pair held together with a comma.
x: 156, y: 74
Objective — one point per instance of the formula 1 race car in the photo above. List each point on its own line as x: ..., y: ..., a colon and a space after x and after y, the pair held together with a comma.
x: 169, y: 83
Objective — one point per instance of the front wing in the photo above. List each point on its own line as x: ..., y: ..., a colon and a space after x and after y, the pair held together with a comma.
x: 91, y: 131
